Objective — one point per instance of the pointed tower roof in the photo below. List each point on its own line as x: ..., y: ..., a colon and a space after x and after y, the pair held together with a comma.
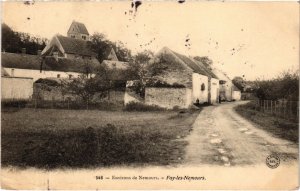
x: 78, y: 27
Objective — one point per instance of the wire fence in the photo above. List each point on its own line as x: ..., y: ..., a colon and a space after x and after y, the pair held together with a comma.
x: 281, y: 108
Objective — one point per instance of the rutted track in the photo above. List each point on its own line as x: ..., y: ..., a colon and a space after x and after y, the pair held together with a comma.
x: 222, y: 137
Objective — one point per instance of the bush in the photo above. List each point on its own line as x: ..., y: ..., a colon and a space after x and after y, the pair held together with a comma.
x: 135, y: 106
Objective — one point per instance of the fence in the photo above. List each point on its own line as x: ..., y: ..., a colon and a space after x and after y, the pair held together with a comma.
x: 281, y: 108
x: 65, y: 104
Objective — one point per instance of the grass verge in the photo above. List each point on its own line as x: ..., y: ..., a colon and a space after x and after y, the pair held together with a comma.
x: 279, y: 127
x: 50, y: 138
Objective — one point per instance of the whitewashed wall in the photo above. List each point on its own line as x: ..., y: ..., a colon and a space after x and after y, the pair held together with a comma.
x: 16, y: 88
x: 36, y: 74
x: 214, y: 90
x: 236, y: 95
x: 202, y: 95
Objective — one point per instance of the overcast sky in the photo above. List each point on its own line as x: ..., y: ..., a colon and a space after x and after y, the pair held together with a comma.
x: 253, y: 39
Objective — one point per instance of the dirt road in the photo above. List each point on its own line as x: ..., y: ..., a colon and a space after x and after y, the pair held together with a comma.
x: 222, y: 137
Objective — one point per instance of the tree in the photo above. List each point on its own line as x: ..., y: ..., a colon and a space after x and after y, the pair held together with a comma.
x: 102, y: 46
x: 86, y: 88
x: 138, y: 70
x: 14, y: 41
x: 239, y: 82
x: 284, y: 86
x: 123, y: 53
x: 10, y: 40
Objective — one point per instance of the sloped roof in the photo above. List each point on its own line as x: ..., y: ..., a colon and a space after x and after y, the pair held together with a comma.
x: 75, y: 46
x: 111, y: 55
x: 70, y: 65
x: 194, y: 65
x: 80, y: 27
x: 22, y: 61
x: 33, y: 62
x: 221, y: 75
x: 206, y: 68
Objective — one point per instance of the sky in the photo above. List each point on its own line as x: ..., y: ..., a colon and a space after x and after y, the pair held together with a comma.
x: 248, y: 39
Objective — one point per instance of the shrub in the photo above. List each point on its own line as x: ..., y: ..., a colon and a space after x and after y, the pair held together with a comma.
x: 135, y: 106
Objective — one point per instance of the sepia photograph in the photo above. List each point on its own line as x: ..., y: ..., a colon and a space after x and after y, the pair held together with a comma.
x: 132, y: 95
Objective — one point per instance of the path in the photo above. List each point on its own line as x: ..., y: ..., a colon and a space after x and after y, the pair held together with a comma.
x: 222, y: 137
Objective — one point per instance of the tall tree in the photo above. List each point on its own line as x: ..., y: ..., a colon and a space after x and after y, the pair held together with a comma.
x: 14, y: 41
x: 102, y: 46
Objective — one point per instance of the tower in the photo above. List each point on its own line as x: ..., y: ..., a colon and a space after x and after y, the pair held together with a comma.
x: 78, y: 30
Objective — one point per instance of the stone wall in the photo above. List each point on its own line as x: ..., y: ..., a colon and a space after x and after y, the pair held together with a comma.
x: 116, y: 96
x: 13, y: 88
x: 183, y: 77
x: 168, y: 97
x: 49, y: 93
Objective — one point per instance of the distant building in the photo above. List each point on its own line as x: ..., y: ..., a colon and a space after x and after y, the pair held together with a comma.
x: 75, y: 45
x: 113, y: 62
x: 228, y: 91
x: 33, y: 66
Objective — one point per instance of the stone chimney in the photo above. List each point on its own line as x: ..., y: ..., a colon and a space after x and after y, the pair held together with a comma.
x: 23, y: 50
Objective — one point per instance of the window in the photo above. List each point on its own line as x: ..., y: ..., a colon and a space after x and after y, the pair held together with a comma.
x: 70, y: 76
x: 12, y: 72
x: 58, y: 75
x: 202, y: 87
x: 72, y: 36
x: 83, y: 37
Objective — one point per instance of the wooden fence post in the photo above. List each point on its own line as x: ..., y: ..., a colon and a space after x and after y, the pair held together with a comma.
x: 284, y: 110
x: 275, y: 108
x: 271, y: 107
x: 297, y: 110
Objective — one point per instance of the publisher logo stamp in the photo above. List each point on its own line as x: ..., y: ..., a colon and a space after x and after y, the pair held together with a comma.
x: 272, y: 161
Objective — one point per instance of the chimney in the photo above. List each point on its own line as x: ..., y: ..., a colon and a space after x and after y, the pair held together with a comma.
x: 23, y: 50
x: 39, y: 52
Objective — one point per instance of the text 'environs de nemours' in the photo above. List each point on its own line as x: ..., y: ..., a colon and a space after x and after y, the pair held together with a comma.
x: 170, y: 178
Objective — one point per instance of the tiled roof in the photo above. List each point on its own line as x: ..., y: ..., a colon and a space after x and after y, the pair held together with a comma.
x: 33, y: 62
x: 75, y: 46
x: 70, y: 65
x: 80, y: 27
x: 195, y: 66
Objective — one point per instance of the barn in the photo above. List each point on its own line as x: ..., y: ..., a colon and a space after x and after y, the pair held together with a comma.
x: 178, y: 81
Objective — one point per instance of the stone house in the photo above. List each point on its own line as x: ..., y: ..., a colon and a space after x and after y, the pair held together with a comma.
x: 180, y: 82
x: 228, y: 91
